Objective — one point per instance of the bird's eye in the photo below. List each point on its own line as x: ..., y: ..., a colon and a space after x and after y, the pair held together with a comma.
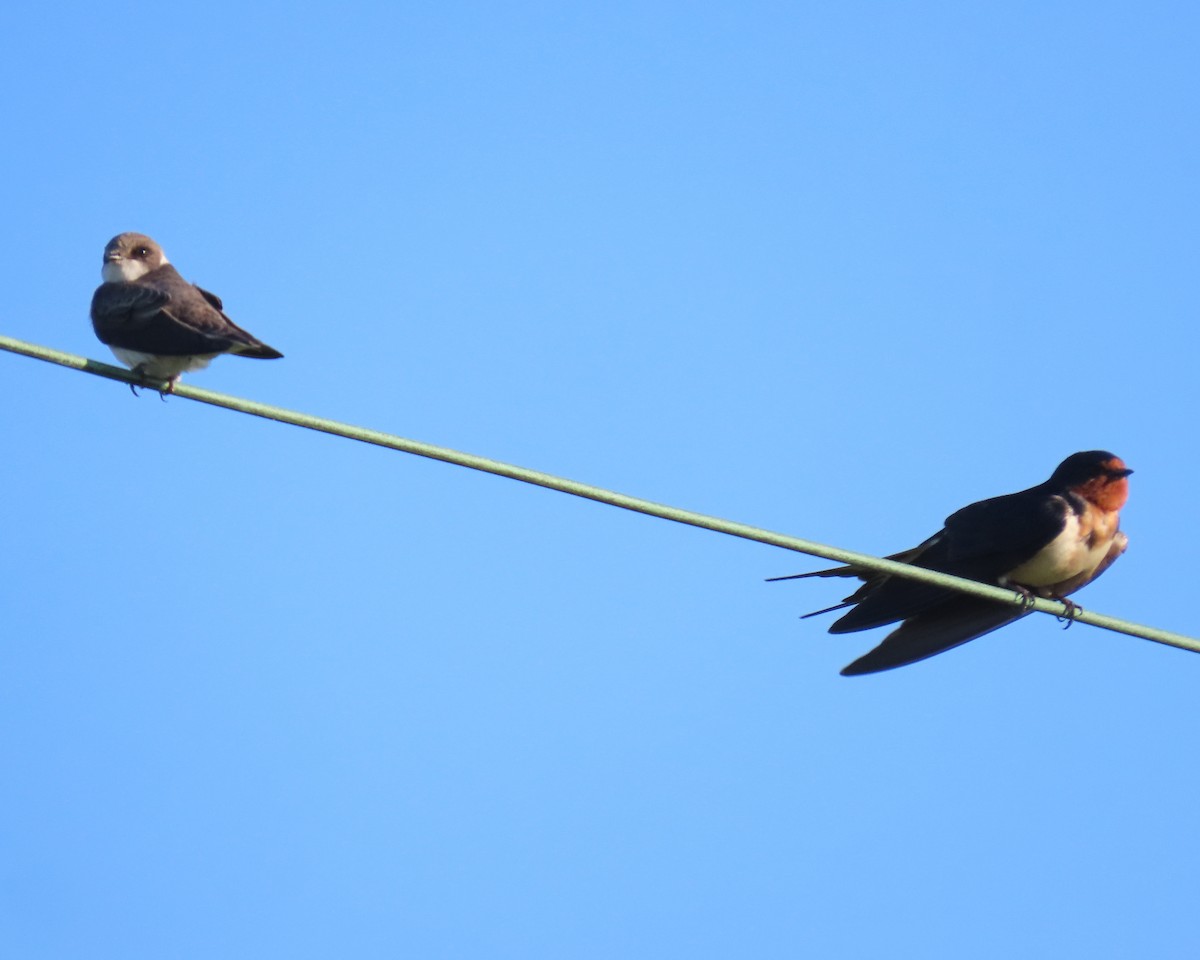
x: 142, y: 251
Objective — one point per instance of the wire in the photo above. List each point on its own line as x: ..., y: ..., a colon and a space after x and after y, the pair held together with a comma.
x: 600, y: 494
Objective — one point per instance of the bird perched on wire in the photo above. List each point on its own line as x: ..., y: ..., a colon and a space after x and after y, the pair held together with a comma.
x: 1047, y: 541
x: 156, y: 322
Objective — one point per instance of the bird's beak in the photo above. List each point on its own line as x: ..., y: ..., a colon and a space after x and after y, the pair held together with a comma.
x: 111, y: 256
x: 1123, y: 473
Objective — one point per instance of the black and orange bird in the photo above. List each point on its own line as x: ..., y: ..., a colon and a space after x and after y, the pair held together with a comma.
x: 1047, y: 541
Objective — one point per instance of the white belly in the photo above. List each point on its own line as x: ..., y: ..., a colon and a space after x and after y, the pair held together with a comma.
x: 162, y: 368
x: 1078, y: 550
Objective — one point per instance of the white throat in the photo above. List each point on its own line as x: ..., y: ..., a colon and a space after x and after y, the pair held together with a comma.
x: 126, y: 271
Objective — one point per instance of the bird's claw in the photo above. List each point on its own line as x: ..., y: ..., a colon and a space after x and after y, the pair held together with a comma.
x: 139, y: 371
x: 162, y: 386
x: 1073, y: 610
x: 1027, y: 598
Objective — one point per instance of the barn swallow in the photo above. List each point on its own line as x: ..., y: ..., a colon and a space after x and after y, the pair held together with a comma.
x: 156, y: 322
x: 1047, y: 541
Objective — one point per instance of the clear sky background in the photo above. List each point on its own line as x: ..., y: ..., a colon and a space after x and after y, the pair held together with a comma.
x: 832, y: 269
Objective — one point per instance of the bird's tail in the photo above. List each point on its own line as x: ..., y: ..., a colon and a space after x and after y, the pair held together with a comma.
x: 852, y: 570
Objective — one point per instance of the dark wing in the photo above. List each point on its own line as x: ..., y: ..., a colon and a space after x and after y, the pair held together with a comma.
x: 983, y: 542
x: 165, y: 315
x: 1002, y: 533
x: 120, y: 307
x: 144, y: 318
x: 957, y: 620
x: 892, y: 598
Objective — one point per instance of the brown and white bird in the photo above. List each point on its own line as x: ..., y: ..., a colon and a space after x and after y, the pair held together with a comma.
x: 1047, y: 541
x: 156, y: 322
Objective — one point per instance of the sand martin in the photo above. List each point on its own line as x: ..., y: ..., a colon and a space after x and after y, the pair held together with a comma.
x: 156, y: 322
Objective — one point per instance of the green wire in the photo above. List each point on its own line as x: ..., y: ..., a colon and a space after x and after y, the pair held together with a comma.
x: 600, y: 494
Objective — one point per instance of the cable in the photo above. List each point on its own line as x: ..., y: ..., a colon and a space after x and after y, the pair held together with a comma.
x: 600, y: 494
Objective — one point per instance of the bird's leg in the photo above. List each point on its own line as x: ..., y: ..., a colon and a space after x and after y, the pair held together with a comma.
x: 1068, y: 616
x: 140, y: 371
x: 1025, y: 594
x: 163, y: 386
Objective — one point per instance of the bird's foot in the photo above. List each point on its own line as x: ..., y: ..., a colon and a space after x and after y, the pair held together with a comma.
x: 1068, y: 616
x: 140, y: 371
x: 154, y: 383
x: 1026, y: 596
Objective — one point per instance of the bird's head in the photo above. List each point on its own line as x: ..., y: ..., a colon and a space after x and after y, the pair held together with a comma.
x: 130, y: 256
x: 1095, y: 475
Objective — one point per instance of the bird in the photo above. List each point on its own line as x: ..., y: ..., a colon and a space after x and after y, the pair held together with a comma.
x: 158, y: 324
x: 1048, y: 541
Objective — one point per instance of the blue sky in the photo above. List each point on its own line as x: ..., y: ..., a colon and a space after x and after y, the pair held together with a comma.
x: 831, y: 269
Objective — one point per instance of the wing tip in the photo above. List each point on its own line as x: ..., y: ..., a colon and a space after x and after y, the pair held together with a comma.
x: 260, y: 352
